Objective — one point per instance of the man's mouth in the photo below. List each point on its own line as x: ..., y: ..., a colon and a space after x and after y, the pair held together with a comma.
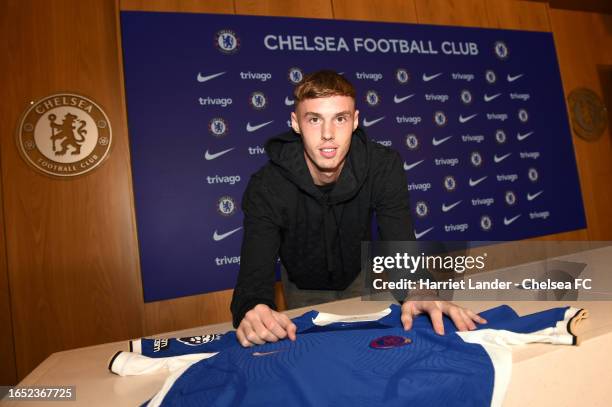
x: 328, y: 152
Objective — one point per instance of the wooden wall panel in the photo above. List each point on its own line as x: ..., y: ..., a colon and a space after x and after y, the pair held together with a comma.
x: 518, y: 15
x: 182, y: 6
x: 471, y: 13
x: 584, y: 42
x: 71, y: 247
x: 309, y: 8
x: 401, y: 11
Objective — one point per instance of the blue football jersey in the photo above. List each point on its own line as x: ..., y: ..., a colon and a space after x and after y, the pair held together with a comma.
x: 363, y: 360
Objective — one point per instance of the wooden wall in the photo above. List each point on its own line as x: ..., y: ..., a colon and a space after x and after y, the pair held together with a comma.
x: 69, y: 253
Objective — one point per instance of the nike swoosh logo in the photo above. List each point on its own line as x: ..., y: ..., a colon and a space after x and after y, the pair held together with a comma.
x: 467, y: 118
x: 438, y: 142
x: 251, y: 128
x: 509, y: 221
x: 449, y: 207
x: 419, y: 235
x: 411, y: 166
x: 520, y: 136
x: 289, y: 102
x: 210, y: 156
x: 534, y: 196
x: 201, y: 78
x: 478, y: 181
x: 500, y: 159
x: 400, y: 100
x: 218, y: 237
x: 367, y: 123
x: 488, y: 98
x: 427, y: 78
x: 266, y: 353
x: 513, y: 78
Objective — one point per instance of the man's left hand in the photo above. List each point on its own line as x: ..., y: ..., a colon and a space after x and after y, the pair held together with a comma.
x: 463, y: 318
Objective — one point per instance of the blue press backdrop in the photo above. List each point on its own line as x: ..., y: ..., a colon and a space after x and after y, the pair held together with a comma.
x: 477, y: 114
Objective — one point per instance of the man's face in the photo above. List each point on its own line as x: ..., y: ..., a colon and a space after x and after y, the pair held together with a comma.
x: 326, y: 125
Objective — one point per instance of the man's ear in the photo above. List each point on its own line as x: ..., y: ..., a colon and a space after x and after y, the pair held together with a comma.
x: 356, y: 120
x: 294, y: 123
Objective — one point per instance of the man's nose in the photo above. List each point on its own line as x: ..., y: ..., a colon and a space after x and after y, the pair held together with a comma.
x: 327, y: 133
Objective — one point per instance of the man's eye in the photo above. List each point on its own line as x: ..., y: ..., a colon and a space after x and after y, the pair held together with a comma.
x: 313, y: 120
x: 341, y: 119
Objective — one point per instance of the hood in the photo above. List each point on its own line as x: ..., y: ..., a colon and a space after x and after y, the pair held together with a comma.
x: 286, y: 152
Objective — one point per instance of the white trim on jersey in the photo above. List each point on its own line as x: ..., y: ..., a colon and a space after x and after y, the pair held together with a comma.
x: 323, y: 318
x: 134, y: 364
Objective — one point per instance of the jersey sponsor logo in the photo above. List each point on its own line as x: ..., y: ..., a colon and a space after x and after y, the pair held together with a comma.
x: 217, y: 127
x: 412, y: 142
x: 402, y: 76
x: 468, y: 77
x: 408, y: 119
x: 254, y: 127
x: 501, y: 50
x: 427, y: 78
x: 461, y: 227
x: 408, y: 167
x: 369, y: 76
x: 488, y: 98
x: 531, y: 197
x: 211, y: 156
x: 440, y: 118
x: 368, y: 123
x: 205, y: 78
x: 523, y: 115
x: 500, y: 136
x: 476, y: 159
x: 64, y: 135
x: 289, y: 102
x: 437, y: 142
x: 507, y: 221
x: 222, y: 179
x: 512, y: 78
x: 397, y: 99
x: 510, y: 198
x: 372, y: 98
x: 217, y: 237
x: 446, y: 208
x: 257, y: 76
x: 450, y: 183
x: 390, y: 342
x: 199, y: 340
x: 159, y: 345
x: 533, y: 175
x: 226, y: 206
x: 465, y: 119
x: 473, y: 183
x: 490, y: 77
x: 258, y: 100
x: 486, y: 223
x: 432, y: 97
x: 502, y: 158
x: 421, y: 209
x: 295, y: 75
x: 422, y: 233
x: 466, y: 97
x: 523, y: 136
x: 208, y: 101
x: 539, y: 215
x: 227, y: 41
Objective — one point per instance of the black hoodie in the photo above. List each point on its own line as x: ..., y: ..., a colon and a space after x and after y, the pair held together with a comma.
x: 317, y: 235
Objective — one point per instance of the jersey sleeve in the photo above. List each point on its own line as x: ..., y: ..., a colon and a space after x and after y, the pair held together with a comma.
x: 162, y: 348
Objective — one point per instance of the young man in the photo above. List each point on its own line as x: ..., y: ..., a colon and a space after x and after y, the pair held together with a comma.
x: 312, y: 204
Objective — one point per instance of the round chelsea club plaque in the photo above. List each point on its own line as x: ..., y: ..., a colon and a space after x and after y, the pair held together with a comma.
x: 64, y: 135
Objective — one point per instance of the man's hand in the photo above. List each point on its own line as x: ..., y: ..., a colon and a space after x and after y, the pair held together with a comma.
x: 463, y: 318
x: 262, y: 324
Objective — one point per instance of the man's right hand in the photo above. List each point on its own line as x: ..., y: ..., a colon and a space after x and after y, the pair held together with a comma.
x: 262, y: 324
